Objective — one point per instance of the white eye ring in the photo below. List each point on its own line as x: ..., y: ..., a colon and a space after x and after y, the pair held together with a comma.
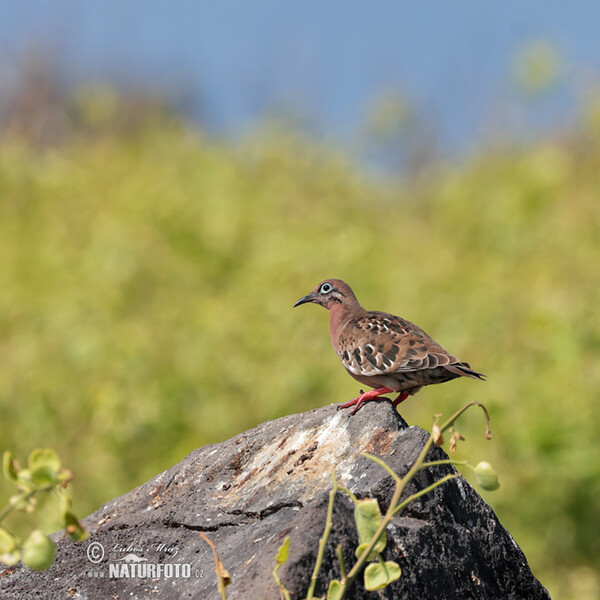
x: 326, y: 288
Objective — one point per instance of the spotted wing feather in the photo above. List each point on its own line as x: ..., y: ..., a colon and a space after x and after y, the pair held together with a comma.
x: 379, y: 343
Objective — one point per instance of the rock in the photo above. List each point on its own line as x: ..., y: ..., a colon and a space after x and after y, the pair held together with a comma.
x: 273, y: 481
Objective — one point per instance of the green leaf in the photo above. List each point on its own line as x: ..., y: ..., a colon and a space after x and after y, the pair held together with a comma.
x: 486, y: 476
x: 11, y: 558
x: 360, y: 549
x: 9, y: 466
x: 335, y: 591
x: 394, y: 570
x: 380, y: 574
x: 43, y: 457
x: 283, y: 552
x: 44, y: 476
x: 38, y: 551
x: 24, y: 482
x: 74, y: 528
x: 367, y: 516
x: 44, y: 465
x: 10, y: 552
x: 8, y: 542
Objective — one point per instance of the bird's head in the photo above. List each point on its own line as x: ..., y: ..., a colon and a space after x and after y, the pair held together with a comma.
x: 331, y: 293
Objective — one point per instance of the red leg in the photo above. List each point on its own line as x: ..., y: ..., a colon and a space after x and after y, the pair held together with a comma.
x: 401, y: 398
x: 364, y: 397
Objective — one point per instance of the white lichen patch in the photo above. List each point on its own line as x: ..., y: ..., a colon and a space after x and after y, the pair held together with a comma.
x: 307, y: 454
x: 461, y: 489
x: 332, y: 430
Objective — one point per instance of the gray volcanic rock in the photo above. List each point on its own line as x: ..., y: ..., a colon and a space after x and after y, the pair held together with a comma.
x: 273, y: 481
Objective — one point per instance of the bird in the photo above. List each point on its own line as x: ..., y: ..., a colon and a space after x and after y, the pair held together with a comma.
x: 385, y: 352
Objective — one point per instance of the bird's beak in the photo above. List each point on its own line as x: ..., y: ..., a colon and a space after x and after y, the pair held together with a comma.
x: 309, y: 298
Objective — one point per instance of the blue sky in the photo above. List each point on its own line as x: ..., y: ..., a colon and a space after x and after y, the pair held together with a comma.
x: 230, y: 62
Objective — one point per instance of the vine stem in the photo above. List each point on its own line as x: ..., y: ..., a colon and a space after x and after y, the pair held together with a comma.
x: 10, y: 508
x: 220, y: 570
x: 323, y: 540
x: 452, y: 419
x: 395, y: 505
x: 426, y: 490
x: 401, y: 483
x: 5, y: 512
x: 340, y: 553
x: 447, y: 461
x: 341, y: 488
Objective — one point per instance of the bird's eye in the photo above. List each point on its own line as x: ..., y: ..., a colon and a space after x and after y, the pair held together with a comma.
x: 326, y: 288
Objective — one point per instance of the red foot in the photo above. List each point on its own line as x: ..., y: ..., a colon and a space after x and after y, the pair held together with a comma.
x: 401, y: 398
x: 364, y: 397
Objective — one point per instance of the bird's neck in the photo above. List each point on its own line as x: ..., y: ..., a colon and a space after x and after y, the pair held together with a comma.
x: 339, y: 315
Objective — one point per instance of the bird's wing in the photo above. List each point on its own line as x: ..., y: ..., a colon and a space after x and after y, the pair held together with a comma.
x: 378, y: 343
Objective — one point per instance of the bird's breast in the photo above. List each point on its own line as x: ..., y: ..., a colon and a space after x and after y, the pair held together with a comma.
x: 338, y: 319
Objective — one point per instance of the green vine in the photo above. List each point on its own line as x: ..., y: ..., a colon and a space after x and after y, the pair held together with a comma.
x: 371, y: 525
x: 44, y: 474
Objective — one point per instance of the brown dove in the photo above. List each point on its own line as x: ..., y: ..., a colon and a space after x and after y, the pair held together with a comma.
x: 380, y: 350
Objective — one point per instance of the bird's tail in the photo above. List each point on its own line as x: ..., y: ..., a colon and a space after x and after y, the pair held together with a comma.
x: 463, y: 369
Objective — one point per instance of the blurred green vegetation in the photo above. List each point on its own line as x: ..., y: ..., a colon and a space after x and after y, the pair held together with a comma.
x: 148, y: 278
